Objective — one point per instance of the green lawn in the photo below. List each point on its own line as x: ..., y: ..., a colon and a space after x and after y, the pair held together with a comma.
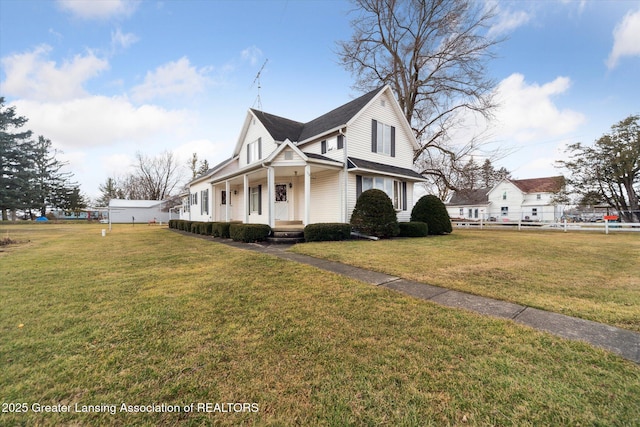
x: 146, y: 316
x: 587, y: 275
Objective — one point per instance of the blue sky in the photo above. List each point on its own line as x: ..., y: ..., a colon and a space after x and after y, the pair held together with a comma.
x: 103, y: 79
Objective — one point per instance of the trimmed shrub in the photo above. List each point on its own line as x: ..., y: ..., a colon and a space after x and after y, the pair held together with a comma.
x: 173, y: 223
x: 327, y: 232
x: 186, y: 225
x: 249, y: 232
x: 206, y: 228
x: 221, y: 229
x: 413, y: 229
x: 374, y: 215
x: 431, y: 210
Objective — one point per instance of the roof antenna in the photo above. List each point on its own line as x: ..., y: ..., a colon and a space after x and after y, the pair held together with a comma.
x: 257, y: 79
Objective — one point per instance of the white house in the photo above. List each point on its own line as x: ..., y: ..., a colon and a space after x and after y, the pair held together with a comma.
x: 138, y: 211
x: 510, y: 200
x: 283, y: 170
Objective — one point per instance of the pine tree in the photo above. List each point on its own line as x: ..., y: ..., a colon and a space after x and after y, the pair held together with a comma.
x: 49, y: 186
x: 16, y: 161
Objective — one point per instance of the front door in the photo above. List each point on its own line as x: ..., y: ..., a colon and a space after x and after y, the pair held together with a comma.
x: 282, y: 204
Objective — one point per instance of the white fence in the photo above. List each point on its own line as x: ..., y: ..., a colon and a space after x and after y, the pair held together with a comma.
x: 602, y: 227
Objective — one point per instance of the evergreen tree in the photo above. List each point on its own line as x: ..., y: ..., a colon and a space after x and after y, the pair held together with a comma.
x: 110, y: 190
x: 49, y: 186
x: 16, y: 161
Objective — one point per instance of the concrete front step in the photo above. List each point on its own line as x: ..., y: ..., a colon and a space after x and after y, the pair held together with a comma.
x: 286, y: 235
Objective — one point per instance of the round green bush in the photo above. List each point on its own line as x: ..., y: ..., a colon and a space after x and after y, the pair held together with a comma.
x: 374, y: 215
x: 431, y: 210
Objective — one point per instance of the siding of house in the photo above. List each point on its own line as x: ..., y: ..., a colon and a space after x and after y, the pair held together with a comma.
x: 256, y: 130
x: 360, y: 131
x: 326, y: 200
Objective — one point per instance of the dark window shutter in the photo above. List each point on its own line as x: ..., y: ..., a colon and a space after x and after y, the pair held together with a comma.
x: 248, y: 154
x: 259, y: 199
x: 259, y: 148
x: 404, y: 195
x: 340, y: 142
x: 374, y: 136
x: 393, y: 141
x: 323, y: 146
x: 358, y: 186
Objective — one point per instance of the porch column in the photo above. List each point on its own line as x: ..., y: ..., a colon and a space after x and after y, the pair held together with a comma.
x: 307, y: 194
x: 271, y: 185
x: 227, y: 191
x: 246, y: 196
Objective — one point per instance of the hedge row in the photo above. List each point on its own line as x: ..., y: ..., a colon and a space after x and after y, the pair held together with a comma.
x: 259, y: 232
x: 249, y: 232
x: 215, y: 229
x: 327, y: 232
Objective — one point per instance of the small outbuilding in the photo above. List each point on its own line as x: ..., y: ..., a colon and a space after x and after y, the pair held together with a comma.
x: 138, y: 211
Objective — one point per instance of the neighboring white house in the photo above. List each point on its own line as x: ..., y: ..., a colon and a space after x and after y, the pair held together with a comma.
x: 510, y: 200
x: 284, y: 170
x: 138, y: 211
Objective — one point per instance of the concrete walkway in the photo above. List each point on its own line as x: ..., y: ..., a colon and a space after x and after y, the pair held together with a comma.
x: 620, y: 341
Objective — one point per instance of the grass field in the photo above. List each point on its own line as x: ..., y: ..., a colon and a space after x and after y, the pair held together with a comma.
x: 587, y: 275
x: 145, y: 316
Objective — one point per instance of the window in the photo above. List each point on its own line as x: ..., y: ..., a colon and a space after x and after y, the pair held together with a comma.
x: 504, y: 196
x: 254, y: 151
x: 396, y: 190
x: 538, y: 196
x: 383, y: 138
x: 193, y: 199
x: 475, y: 213
x: 331, y: 144
x: 534, y: 211
x: 504, y: 210
x: 204, y: 199
x: 223, y: 197
x: 288, y: 155
x: 462, y: 212
x: 255, y: 202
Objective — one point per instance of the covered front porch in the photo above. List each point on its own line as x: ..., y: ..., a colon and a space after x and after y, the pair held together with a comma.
x: 282, y: 196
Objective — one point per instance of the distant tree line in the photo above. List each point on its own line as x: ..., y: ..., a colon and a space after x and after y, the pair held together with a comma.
x: 151, y: 178
x: 32, y: 179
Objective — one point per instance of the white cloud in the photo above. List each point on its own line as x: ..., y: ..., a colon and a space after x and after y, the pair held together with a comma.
x: 527, y: 111
x: 626, y: 39
x: 33, y: 75
x: 117, y: 165
x: 172, y: 79
x: 507, y: 21
x: 99, y: 9
x: 251, y: 54
x: 99, y: 120
x: 122, y: 40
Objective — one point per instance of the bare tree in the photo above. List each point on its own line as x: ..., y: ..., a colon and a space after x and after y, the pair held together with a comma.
x: 433, y: 54
x: 154, y: 178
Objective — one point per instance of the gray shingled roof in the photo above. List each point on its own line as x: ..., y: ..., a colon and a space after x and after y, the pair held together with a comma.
x: 380, y: 167
x: 281, y: 128
x: 479, y: 196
